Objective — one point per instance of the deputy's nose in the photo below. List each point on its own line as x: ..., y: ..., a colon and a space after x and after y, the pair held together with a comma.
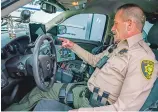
x: 113, y: 28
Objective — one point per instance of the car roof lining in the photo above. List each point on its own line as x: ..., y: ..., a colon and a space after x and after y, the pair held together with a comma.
x: 93, y: 6
x: 102, y: 6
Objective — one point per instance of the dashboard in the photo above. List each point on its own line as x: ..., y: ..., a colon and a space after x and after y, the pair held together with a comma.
x: 16, y: 62
x: 12, y: 47
x: 17, y: 47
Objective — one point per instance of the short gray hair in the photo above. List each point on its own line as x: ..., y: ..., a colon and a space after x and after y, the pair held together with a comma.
x: 135, y: 12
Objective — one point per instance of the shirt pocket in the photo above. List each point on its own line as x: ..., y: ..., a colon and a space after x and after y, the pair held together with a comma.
x: 118, y: 63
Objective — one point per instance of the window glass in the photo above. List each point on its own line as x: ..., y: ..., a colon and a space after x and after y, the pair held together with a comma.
x: 147, y: 26
x: 98, y: 27
x: 76, y: 26
x: 85, y: 26
x: 146, y: 29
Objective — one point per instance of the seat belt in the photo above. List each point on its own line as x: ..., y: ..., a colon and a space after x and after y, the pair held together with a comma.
x: 105, y: 58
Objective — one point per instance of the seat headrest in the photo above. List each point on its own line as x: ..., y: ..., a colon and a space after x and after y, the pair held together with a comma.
x: 153, y: 35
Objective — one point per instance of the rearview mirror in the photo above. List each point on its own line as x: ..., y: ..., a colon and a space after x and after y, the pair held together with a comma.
x: 25, y: 16
x: 61, y: 29
x: 47, y: 7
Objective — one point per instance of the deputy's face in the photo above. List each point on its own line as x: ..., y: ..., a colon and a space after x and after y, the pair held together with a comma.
x: 119, y: 28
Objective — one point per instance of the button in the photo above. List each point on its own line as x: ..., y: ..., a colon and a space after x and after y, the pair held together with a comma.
x: 21, y: 66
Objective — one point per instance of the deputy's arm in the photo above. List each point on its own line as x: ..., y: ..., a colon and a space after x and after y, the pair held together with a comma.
x: 83, y: 54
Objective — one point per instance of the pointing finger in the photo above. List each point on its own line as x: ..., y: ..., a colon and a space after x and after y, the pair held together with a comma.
x: 62, y: 39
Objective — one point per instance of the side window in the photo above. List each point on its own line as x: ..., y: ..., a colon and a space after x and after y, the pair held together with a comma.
x: 85, y: 26
x: 147, y: 26
x: 146, y: 29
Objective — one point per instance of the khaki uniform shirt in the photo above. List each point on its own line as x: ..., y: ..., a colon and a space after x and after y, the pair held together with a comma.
x: 124, y: 75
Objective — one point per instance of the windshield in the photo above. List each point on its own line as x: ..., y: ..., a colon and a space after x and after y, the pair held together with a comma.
x: 37, y: 16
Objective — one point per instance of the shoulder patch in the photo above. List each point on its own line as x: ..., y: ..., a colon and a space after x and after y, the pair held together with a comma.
x: 147, y: 67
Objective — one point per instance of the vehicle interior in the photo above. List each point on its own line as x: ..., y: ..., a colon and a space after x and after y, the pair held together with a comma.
x: 32, y: 55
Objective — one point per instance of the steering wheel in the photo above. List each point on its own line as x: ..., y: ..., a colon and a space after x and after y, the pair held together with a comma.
x: 44, y: 66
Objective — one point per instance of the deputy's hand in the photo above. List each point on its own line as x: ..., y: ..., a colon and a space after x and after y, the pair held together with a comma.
x: 66, y: 43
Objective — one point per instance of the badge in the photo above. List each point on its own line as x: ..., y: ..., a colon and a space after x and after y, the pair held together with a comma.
x: 121, y: 52
x: 124, y: 50
x: 147, y: 67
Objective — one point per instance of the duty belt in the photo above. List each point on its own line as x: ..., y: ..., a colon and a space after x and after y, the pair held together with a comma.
x: 97, y: 100
x: 94, y: 98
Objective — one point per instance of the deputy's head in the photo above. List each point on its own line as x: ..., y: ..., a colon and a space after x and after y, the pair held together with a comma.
x: 129, y: 20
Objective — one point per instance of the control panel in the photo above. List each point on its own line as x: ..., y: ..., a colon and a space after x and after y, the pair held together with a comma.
x: 64, y: 54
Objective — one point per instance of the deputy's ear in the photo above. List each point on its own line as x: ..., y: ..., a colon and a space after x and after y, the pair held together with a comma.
x: 130, y: 24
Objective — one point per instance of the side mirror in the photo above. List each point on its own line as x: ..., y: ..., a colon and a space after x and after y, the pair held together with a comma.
x: 47, y: 7
x: 61, y: 29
